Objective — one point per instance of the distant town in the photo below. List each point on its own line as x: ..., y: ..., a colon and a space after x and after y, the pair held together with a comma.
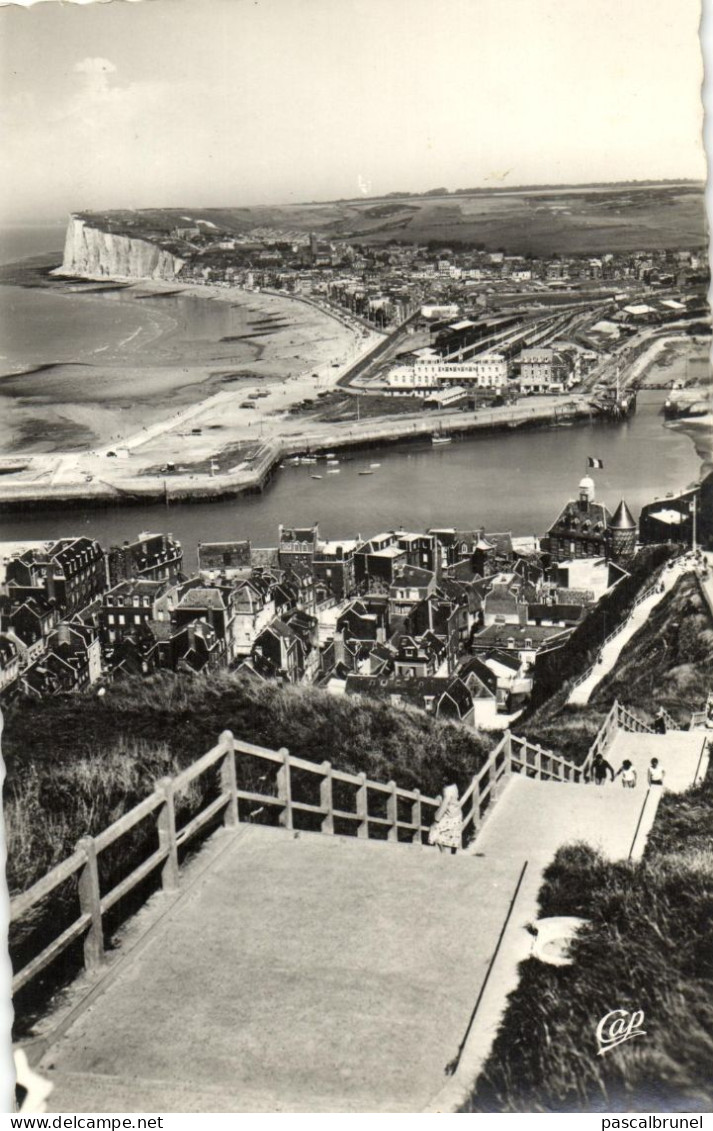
x: 450, y: 622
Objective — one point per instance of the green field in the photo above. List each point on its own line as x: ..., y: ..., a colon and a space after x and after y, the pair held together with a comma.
x: 535, y: 221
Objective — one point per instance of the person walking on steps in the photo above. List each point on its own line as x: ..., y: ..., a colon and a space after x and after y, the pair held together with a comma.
x: 660, y: 722
x: 446, y: 830
x: 628, y: 774
x: 656, y: 773
x: 600, y: 769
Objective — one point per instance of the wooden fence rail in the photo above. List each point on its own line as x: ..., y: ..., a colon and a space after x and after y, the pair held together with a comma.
x: 405, y: 812
x: 512, y: 755
x: 403, y: 815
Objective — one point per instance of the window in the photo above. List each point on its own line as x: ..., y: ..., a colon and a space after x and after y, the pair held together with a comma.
x: 122, y: 618
x: 110, y: 618
x: 137, y: 619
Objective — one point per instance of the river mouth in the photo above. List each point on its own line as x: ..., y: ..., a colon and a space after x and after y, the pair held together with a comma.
x: 509, y: 481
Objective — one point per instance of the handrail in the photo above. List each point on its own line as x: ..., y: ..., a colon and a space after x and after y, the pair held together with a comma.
x: 648, y: 592
x: 512, y: 755
x: 161, y: 803
x: 618, y: 717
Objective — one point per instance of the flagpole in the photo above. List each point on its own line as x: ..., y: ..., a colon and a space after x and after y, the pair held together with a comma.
x: 694, y: 524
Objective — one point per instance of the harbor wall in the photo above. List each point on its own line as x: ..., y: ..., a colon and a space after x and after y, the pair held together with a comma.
x: 187, y: 488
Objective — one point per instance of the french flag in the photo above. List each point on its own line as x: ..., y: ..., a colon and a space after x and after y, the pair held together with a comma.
x: 595, y: 462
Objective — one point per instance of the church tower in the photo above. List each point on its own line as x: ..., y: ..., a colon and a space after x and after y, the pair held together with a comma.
x: 621, y: 534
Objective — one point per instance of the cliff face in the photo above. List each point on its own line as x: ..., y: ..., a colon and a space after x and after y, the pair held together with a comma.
x: 89, y: 251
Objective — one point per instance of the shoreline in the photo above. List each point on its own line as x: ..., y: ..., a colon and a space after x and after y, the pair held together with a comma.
x: 245, y: 481
x: 160, y: 365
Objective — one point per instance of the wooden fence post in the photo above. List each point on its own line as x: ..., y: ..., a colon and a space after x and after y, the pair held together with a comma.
x: 229, y: 779
x: 166, y: 826
x: 416, y: 818
x: 538, y: 761
x: 362, y: 808
x: 325, y: 798
x: 508, y: 752
x: 392, y: 811
x: 284, y: 788
x: 90, y: 904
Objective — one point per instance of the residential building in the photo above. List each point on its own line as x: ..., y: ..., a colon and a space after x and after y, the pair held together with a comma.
x: 224, y: 559
x: 297, y: 544
x: 580, y: 529
x: 333, y: 567
x: 9, y: 661
x: 152, y: 557
x: 543, y: 371
x: 446, y: 698
x: 127, y: 608
x: 71, y: 572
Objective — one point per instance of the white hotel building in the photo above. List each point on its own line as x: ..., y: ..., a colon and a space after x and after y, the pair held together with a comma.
x: 430, y: 371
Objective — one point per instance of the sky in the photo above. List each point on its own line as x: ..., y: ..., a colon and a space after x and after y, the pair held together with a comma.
x: 230, y: 102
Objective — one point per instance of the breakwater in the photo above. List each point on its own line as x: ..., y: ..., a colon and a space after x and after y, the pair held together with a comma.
x: 125, y: 489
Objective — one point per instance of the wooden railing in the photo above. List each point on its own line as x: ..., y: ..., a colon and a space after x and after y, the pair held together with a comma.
x: 618, y: 718
x: 512, y: 755
x: 403, y: 815
x: 646, y: 593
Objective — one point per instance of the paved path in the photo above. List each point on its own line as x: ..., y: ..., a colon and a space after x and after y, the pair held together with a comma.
x: 300, y: 974
x: 611, y: 651
x: 531, y: 821
x: 312, y: 973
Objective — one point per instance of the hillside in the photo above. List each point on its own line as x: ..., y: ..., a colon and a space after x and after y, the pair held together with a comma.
x: 668, y: 662
x: 574, y: 220
x: 646, y: 947
x: 105, y: 753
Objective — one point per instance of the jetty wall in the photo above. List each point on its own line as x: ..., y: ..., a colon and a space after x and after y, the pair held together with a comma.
x: 176, y: 488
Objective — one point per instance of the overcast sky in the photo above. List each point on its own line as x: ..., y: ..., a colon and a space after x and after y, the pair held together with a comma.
x: 228, y: 102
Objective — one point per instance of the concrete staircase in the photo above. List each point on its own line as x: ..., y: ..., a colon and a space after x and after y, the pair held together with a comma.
x: 302, y: 973
x: 309, y: 973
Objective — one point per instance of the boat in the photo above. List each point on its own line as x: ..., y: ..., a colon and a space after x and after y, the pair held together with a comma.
x: 308, y: 459
x: 315, y: 476
x: 441, y: 439
x: 332, y: 462
x: 374, y: 465
x: 366, y: 472
x: 294, y: 462
x: 332, y: 471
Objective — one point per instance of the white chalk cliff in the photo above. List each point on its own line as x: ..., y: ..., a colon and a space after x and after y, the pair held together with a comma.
x: 89, y: 251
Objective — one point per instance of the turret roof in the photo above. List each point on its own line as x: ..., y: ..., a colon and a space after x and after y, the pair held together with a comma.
x: 623, y: 518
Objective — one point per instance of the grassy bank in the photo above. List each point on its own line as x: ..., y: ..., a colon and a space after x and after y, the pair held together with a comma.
x: 646, y: 947
x: 669, y: 661
x: 74, y: 764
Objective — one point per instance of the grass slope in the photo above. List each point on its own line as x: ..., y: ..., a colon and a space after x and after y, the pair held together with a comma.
x: 646, y: 947
x: 538, y: 222
x: 74, y: 764
x: 669, y: 661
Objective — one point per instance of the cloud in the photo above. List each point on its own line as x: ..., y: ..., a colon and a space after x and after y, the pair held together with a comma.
x: 94, y: 66
x: 96, y: 71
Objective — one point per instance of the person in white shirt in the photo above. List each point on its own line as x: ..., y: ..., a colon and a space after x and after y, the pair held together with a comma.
x: 656, y: 773
x: 628, y: 774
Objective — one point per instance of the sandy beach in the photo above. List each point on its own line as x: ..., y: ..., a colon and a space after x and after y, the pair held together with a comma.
x: 163, y: 349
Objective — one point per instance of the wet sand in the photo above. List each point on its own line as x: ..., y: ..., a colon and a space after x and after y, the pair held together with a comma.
x: 155, y: 358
